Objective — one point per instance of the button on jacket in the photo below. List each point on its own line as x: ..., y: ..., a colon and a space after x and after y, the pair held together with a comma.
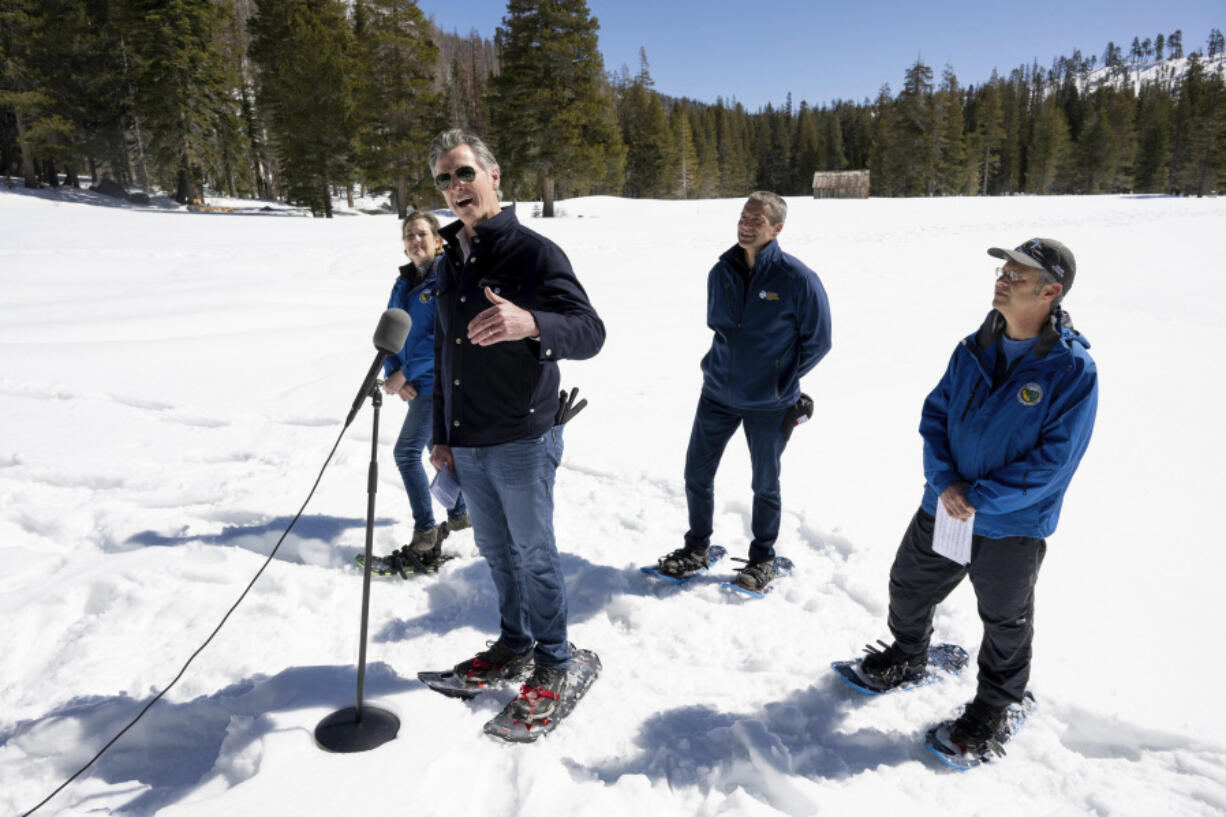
x: 488, y: 395
x: 1018, y: 443
x: 769, y: 331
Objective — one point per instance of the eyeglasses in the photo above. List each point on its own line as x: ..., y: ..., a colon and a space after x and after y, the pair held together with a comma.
x: 462, y: 174
x: 1009, y: 275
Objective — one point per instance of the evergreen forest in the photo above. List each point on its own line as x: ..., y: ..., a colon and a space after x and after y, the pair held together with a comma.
x: 303, y: 100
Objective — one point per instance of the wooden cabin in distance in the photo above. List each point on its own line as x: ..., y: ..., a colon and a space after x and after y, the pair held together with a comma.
x: 841, y: 184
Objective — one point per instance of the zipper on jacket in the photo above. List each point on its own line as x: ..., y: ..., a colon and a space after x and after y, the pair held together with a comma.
x: 970, y: 400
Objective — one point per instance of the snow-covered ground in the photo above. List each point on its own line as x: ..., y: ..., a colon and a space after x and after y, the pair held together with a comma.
x: 170, y: 383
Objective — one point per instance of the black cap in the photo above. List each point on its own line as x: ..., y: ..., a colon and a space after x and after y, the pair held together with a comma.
x: 1045, y: 254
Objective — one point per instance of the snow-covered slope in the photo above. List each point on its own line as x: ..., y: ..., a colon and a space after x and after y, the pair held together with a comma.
x: 171, y: 382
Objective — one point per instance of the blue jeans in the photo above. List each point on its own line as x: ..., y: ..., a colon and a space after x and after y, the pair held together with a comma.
x: 510, y: 501
x: 714, y: 425
x: 415, y: 435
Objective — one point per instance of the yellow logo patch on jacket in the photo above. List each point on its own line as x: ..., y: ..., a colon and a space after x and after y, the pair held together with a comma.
x: 1030, y: 394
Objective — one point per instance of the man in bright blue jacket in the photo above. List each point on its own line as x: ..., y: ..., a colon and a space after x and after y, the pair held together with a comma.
x: 1003, y: 434
x: 771, y: 322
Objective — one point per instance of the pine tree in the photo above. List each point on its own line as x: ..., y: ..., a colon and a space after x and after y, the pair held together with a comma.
x: 303, y: 51
x: 737, y: 167
x: 687, y: 169
x: 397, y: 112
x: 1175, y: 43
x: 988, y: 122
x: 1049, y: 150
x: 1015, y: 97
x: 54, y: 77
x: 1154, y: 115
x: 913, y: 154
x: 651, y: 156
x: 552, y: 117
x: 1216, y: 43
x: 808, y: 150
x: 881, y: 162
x: 834, y: 157
x: 706, y: 144
x: 950, y: 174
x: 185, y: 84
x: 1198, y: 159
x: 1106, y: 147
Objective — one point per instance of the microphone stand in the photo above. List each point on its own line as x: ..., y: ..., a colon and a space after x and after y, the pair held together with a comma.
x: 361, y: 728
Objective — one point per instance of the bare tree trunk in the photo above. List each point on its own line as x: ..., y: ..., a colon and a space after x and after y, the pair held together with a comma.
x: 142, y: 163
x: 547, y: 204
x: 28, y: 174
x: 349, y: 195
x: 400, y: 191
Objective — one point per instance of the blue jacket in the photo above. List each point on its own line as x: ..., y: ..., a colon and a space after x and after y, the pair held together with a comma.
x: 768, y: 333
x: 415, y: 294
x: 1018, y: 444
x: 495, y: 394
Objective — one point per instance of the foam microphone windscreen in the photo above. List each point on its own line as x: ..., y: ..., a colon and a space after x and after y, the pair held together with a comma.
x: 392, y: 331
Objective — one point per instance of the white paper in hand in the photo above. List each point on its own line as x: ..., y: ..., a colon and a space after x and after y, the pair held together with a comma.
x: 952, y: 537
x: 445, y: 487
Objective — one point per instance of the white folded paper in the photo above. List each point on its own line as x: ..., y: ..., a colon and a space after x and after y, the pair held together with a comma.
x: 952, y: 537
x: 446, y: 488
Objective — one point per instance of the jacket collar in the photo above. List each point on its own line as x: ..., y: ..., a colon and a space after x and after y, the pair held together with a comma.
x: 766, y: 257
x: 414, y: 274
x: 488, y: 230
x: 1053, y: 332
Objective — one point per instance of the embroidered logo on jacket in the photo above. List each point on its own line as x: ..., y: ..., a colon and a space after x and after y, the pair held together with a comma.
x: 768, y: 296
x: 1030, y: 394
x: 425, y: 296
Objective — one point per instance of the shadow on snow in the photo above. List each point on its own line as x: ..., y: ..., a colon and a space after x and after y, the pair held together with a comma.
x: 176, y: 746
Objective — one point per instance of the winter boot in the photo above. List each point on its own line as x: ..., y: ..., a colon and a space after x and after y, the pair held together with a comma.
x: 756, y: 576
x: 497, y: 663
x: 892, y: 667
x: 684, y: 562
x: 539, y: 697
x: 978, y: 730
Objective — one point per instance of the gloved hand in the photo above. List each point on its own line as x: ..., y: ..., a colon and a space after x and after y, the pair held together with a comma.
x: 797, y: 413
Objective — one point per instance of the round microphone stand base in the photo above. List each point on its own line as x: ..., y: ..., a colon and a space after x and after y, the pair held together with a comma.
x: 343, y: 732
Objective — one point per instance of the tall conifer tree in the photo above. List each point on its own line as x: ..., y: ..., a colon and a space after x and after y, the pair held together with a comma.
x: 552, y: 117
x: 303, y: 49
x: 186, y: 87
x: 397, y: 112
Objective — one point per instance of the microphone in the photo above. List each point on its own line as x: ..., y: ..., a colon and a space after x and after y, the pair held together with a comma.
x: 390, y: 335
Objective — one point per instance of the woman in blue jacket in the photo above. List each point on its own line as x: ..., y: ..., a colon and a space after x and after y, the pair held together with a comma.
x: 410, y: 374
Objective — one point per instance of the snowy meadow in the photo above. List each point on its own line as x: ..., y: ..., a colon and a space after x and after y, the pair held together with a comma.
x: 170, y: 383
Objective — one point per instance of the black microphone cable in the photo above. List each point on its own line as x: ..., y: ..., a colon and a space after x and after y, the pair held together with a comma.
x: 200, y: 649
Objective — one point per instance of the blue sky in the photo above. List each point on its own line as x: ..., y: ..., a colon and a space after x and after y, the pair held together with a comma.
x: 820, y: 51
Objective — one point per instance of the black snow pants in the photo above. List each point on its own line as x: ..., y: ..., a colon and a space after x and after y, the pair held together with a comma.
x: 1003, y: 573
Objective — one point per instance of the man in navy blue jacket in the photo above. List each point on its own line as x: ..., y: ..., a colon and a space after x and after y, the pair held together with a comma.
x: 508, y: 308
x: 772, y: 325
x: 1003, y: 433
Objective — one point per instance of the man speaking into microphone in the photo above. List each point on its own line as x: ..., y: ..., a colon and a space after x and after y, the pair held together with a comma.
x: 508, y: 307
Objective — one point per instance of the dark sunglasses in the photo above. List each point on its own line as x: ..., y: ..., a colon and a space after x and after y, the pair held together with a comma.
x: 464, y: 174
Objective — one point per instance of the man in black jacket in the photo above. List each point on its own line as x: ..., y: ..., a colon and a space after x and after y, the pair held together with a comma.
x: 508, y: 308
